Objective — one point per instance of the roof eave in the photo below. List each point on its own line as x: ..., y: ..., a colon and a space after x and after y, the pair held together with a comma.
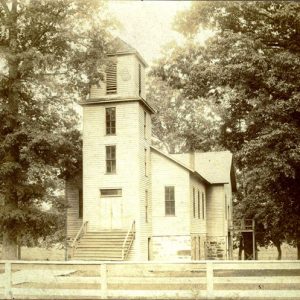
x: 99, y: 100
x: 128, y: 53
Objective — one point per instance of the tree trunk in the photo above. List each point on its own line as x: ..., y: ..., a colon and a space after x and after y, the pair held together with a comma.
x: 298, y: 250
x: 241, y: 247
x: 278, y: 246
x: 19, y: 252
x: 10, y: 245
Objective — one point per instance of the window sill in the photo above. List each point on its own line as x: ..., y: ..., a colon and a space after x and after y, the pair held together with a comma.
x: 110, y: 173
x: 110, y: 134
x: 170, y: 215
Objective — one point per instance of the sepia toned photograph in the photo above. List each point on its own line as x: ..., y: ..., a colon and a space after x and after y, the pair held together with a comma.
x: 149, y: 149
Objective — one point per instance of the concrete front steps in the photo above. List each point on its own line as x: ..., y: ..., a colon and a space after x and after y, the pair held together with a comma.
x: 102, y: 245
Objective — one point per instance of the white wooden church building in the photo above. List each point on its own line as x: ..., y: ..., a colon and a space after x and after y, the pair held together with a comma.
x: 133, y: 201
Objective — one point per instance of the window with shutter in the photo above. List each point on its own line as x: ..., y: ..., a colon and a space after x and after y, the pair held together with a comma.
x: 111, y: 78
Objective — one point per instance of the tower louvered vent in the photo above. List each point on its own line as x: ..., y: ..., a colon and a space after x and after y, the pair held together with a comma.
x: 111, y: 78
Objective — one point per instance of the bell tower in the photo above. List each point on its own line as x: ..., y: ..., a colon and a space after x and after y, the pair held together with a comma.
x: 116, y: 150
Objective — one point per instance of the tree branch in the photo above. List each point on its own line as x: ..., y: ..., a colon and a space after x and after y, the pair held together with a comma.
x: 5, y: 7
x: 5, y: 76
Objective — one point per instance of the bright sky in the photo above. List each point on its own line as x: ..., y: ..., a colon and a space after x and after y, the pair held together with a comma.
x: 147, y: 25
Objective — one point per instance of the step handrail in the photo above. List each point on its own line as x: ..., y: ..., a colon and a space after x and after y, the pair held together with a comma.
x: 81, y: 231
x: 130, y: 230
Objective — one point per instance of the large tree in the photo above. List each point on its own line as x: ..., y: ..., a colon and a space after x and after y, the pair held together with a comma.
x: 179, y: 124
x: 251, y: 66
x: 50, y: 51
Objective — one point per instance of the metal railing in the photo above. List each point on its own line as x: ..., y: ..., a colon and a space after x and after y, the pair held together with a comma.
x: 129, y: 238
x: 81, y: 231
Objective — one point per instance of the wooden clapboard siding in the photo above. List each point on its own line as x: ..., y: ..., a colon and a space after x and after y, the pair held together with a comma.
x: 127, y: 167
x: 215, y: 217
x: 130, y: 143
x: 167, y: 173
x: 198, y: 225
x: 72, y: 192
x: 136, y: 74
x: 144, y: 231
x: 228, y: 193
x: 127, y: 79
x: 185, y: 158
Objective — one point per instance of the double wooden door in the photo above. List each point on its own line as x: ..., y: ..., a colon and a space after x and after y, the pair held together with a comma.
x: 111, y: 213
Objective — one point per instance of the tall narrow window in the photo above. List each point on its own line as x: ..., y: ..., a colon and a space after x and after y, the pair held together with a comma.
x: 169, y: 201
x: 110, y: 159
x: 194, y: 203
x: 146, y: 206
x: 80, y: 204
x: 110, y: 119
x: 111, y: 78
x: 140, y: 80
x: 203, y: 212
x: 225, y: 207
x: 145, y: 159
x: 199, y: 216
x: 228, y: 212
x: 145, y: 124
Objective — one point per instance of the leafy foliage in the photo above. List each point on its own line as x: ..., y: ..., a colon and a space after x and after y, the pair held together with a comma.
x: 179, y: 124
x: 251, y: 67
x: 50, y: 52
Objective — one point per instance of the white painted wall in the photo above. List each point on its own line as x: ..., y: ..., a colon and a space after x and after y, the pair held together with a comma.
x: 127, y: 148
x: 145, y: 228
x: 127, y: 79
x: 167, y: 173
x: 215, y: 216
x: 198, y: 225
x: 72, y: 195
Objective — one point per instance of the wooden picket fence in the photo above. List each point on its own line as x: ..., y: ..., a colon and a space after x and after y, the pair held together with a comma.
x: 150, y: 280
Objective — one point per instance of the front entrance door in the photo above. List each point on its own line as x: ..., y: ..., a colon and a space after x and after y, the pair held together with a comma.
x: 111, y: 213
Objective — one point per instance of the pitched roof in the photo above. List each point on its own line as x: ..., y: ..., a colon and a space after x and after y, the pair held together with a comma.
x: 214, y: 166
x: 120, y: 47
x: 181, y: 164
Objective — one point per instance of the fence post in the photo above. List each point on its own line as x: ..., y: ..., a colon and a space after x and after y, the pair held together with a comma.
x: 8, y: 281
x: 209, y: 279
x: 103, y: 281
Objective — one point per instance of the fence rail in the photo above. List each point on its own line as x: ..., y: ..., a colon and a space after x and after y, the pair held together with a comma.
x: 150, y: 280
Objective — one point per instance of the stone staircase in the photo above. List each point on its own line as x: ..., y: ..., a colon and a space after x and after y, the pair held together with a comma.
x: 103, y: 245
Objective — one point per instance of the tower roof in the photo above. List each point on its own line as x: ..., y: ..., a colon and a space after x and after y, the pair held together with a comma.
x: 119, y: 47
